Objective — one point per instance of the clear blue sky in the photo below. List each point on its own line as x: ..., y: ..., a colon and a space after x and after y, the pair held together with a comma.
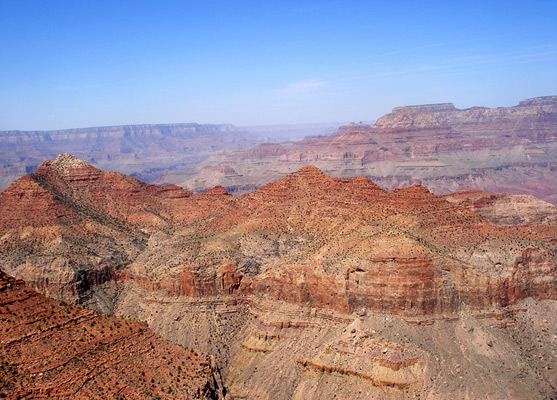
x: 75, y: 63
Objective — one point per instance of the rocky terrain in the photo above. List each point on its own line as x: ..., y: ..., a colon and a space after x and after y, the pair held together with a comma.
x: 505, y: 209
x: 309, y: 286
x: 446, y: 149
x: 144, y: 151
x: 52, y: 350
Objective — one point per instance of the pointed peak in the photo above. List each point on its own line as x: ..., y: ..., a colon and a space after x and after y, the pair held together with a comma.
x: 309, y: 171
x: 216, y: 191
x: 65, y: 161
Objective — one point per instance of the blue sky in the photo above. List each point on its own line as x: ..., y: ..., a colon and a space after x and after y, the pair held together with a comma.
x: 66, y: 64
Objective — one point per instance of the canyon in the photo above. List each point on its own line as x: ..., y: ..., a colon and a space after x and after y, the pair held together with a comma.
x: 311, y: 285
x: 145, y: 151
x: 445, y: 149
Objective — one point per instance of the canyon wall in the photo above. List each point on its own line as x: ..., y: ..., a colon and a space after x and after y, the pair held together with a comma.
x: 446, y: 149
x: 309, y: 286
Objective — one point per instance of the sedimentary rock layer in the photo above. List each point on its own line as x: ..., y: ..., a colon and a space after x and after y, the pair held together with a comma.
x: 309, y: 287
x: 444, y: 148
x: 53, y: 350
x: 308, y: 238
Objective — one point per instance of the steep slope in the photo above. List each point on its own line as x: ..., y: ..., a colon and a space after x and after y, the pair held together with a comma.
x: 309, y: 286
x: 439, y: 146
x: 107, y: 193
x: 70, y: 226
x: 505, y: 209
x: 52, y: 350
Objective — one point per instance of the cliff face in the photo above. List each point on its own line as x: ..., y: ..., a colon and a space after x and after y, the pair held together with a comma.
x: 131, y: 149
x: 52, y: 350
x: 444, y: 148
x: 309, y: 286
x: 308, y: 238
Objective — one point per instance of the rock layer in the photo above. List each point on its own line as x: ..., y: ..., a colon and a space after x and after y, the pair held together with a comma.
x: 311, y: 286
x: 144, y: 151
x: 444, y: 148
x: 52, y: 350
x: 309, y: 239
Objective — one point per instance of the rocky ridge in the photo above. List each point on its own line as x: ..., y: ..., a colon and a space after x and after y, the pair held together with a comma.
x: 439, y: 146
x: 309, y: 280
x: 300, y: 226
x: 52, y: 350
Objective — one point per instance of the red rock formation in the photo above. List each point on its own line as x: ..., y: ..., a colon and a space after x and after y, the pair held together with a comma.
x: 439, y: 146
x: 309, y: 238
x: 107, y: 193
x: 52, y: 350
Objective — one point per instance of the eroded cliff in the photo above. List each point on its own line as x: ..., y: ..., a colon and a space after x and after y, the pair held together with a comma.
x: 53, y: 350
x: 334, y: 286
x: 439, y: 146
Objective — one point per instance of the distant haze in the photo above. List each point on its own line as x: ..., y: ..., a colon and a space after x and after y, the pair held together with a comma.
x: 70, y: 64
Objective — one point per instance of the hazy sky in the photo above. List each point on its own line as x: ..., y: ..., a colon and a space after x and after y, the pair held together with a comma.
x: 76, y: 63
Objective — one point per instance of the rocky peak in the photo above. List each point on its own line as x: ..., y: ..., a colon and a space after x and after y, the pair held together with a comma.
x: 217, y: 191
x: 66, y: 168
x: 65, y: 162
x: 309, y: 171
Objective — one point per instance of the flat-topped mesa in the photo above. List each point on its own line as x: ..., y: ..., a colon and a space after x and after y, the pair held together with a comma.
x: 425, y: 108
x: 353, y: 126
x: 532, y: 119
x: 538, y: 101
x: 408, y: 120
x: 105, y: 136
x: 413, y: 144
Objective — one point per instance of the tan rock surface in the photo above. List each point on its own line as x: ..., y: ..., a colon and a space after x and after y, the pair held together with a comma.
x: 273, y: 283
x: 505, y: 209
